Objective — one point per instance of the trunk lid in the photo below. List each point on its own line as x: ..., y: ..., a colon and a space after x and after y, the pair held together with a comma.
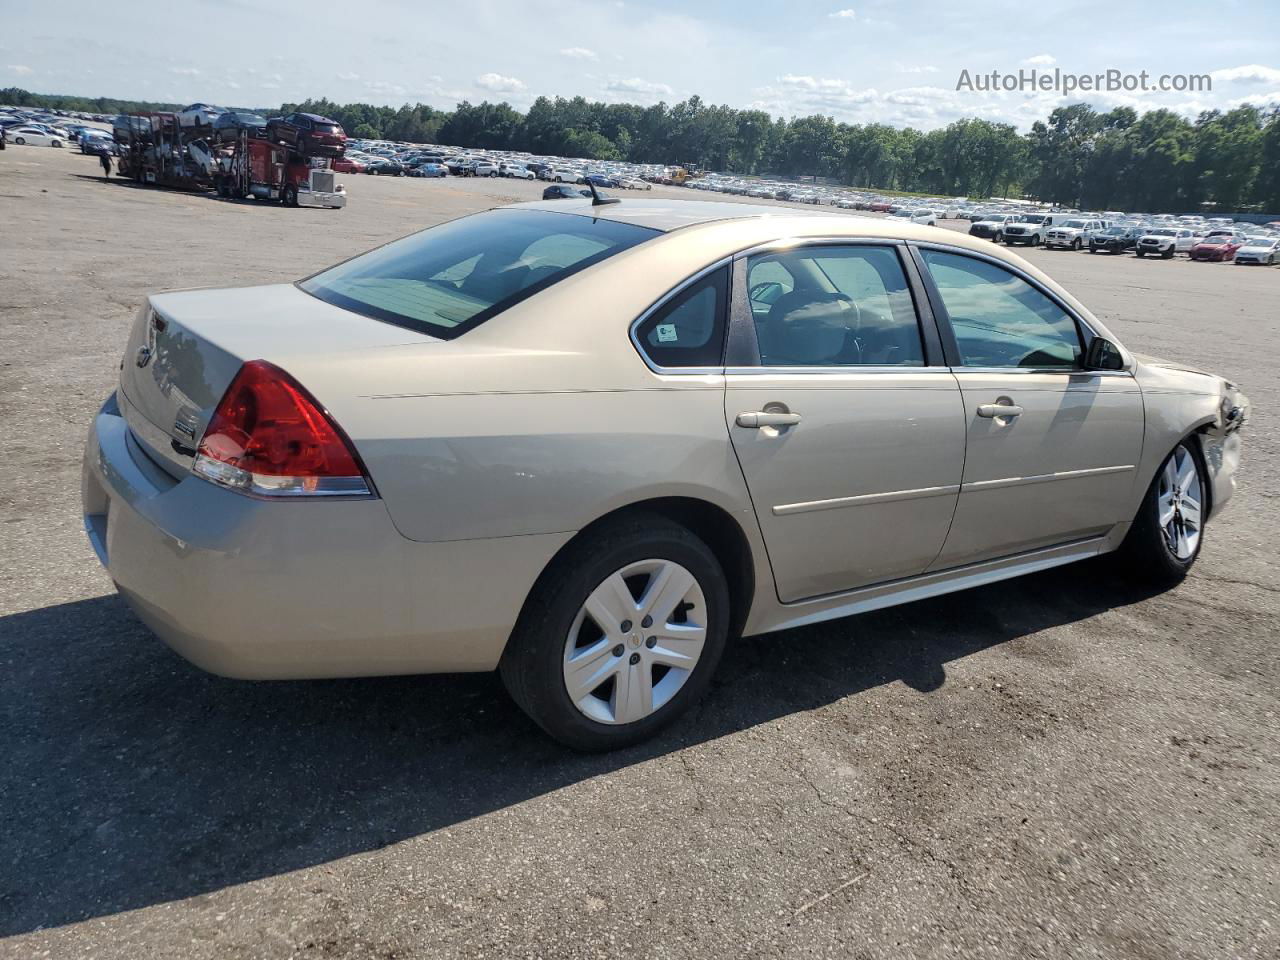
x: 185, y: 348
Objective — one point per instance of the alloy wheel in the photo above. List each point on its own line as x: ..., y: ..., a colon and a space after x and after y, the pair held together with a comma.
x: 635, y: 642
x: 1180, y: 499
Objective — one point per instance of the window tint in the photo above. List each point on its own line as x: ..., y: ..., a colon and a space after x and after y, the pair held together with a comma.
x: 448, y: 279
x: 840, y: 306
x: 999, y: 319
x: 688, y: 330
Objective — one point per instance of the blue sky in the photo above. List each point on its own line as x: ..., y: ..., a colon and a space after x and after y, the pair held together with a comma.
x: 893, y: 61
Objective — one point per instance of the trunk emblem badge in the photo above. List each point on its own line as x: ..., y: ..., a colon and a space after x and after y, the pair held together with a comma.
x: 143, y: 357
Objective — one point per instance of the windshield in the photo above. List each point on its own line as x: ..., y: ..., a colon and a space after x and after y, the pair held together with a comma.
x: 1033, y: 218
x: 448, y: 279
x: 1078, y: 224
x: 1116, y: 231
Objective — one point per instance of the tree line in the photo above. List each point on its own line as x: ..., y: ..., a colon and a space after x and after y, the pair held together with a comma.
x: 1078, y: 156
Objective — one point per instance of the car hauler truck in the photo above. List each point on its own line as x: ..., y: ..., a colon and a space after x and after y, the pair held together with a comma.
x: 250, y: 166
x: 153, y: 149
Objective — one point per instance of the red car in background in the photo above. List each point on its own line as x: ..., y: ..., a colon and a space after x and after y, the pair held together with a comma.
x: 1217, y: 245
x: 308, y: 134
x: 347, y: 165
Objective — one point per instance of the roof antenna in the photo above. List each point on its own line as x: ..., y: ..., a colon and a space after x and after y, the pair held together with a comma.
x: 596, y: 199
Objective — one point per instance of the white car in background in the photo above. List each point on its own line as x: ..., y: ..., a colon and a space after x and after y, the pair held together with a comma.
x: 515, y: 170
x: 1031, y: 228
x: 199, y: 115
x: 927, y: 218
x: 1260, y: 250
x: 560, y: 175
x: 1074, y: 233
x: 1165, y: 242
x: 33, y: 136
x: 485, y: 168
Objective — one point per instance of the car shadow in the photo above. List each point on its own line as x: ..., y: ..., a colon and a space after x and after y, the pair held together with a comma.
x: 131, y: 778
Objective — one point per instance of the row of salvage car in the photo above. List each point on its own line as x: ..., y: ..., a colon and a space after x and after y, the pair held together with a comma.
x: 1219, y: 239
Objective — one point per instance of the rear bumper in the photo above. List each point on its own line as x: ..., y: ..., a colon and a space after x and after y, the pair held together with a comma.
x: 260, y: 589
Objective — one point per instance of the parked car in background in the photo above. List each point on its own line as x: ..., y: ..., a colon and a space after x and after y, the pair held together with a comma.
x: 97, y: 142
x: 358, y: 463
x: 484, y: 167
x: 348, y: 164
x: 991, y: 226
x: 1259, y: 250
x: 1164, y: 242
x: 1113, y: 240
x: 562, y: 191
x: 385, y: 167
x: 1029, y: 229
x: 33, y: 136
x: 1073, y: 233
x: 309, y: 133
x: 560, y: 175
x: 516, y: 171
x: 1217, y: 245
x: 429, y: 170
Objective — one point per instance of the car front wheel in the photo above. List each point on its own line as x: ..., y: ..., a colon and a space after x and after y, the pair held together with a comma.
x: 620, y: 635
x: 1164, y: 540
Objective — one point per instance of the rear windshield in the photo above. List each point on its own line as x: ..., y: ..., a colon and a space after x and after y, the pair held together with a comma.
x: 448, y: 279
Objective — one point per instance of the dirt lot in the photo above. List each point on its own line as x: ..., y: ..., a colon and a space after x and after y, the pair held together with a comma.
x: 1054, y: 767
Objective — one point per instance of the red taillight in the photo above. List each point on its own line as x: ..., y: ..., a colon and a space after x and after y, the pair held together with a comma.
x: 269, y: 437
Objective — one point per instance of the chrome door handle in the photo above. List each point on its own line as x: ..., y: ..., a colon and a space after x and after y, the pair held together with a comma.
x: 992, y: 411
x: 763, y: 418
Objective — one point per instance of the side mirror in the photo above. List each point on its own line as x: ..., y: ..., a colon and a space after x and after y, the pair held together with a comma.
x: 1103, y: 355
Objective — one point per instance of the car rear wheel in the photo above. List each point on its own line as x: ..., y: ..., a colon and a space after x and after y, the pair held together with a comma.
x: 56, y: 143
x: 620, y: 635
x: 19, y: 140
x: 1165, y: 538
x: 1075, y: 244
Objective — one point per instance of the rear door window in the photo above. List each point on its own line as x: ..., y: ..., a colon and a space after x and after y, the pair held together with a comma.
x: 688, y: 330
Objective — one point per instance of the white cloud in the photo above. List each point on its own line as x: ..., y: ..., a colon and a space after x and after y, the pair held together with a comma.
x: 498, y: 83
x: 1040, y: 60
x: 1253, y: 73
x: 579, y: 53
x: 185, y: 71
x: 383, y: 88
x: 20, y: 69
x: 638, y: 88
x: 848, y: 13
x: 916, y: 68
x: 348, y: 76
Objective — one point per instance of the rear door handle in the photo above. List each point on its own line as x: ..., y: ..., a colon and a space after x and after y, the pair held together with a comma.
x: 992, y: 411
x: 762, y: 418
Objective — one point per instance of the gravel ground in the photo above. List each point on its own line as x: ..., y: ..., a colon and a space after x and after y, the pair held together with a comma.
x: 1052, y: 767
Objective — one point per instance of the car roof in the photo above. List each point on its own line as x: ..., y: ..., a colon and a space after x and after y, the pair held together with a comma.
x: 667, y: 215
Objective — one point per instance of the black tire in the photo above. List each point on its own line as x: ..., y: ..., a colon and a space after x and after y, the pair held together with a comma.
x: 20, y: 141
x: 1075, y: 244
x: 1145, y: 555
x: 289, y: 195
x: 1167, y: 254
x: 1139, y: 253
x: 533, y: 662
x: 1092, y: 248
